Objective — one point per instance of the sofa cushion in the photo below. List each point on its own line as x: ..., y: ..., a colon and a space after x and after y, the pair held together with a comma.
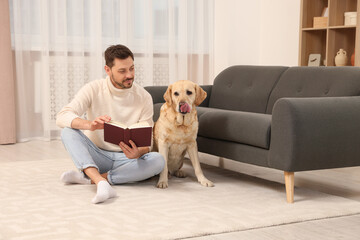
x: 244, y: 88
x: 316, y: 82
x: 235, y: 126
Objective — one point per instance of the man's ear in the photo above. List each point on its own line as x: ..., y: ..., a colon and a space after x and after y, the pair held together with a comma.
x: 200, y: 95
x: 107, y: 70
x: 167, y: 95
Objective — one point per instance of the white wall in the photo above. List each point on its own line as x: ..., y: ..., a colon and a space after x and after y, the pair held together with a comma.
x: 280, y: 23
x: 256, y: 32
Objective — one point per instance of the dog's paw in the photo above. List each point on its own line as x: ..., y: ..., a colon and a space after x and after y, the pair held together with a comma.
x: 162, y: 184
x: 207, y: 183
x: 180, y: 174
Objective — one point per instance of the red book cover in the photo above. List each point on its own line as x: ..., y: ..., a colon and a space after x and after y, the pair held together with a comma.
x: 139, y: 133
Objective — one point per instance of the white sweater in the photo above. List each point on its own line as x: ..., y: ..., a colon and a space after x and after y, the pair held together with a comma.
x: 99, y: 98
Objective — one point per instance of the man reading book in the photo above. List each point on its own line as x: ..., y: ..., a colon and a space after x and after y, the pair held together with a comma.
x: 117, y: 97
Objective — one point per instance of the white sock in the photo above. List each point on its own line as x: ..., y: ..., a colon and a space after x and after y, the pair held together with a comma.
x: 74, y: 177
x: 104, y: 191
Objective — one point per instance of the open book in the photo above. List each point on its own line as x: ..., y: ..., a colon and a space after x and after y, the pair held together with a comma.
x: 139, y: 133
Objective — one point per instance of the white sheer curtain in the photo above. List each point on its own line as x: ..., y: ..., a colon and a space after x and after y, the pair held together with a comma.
x: 59, y: 45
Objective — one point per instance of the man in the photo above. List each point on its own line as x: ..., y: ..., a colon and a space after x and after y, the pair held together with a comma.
x: 115, y: 97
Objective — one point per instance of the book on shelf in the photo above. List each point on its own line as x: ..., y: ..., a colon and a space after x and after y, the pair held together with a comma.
x: 139, y: 133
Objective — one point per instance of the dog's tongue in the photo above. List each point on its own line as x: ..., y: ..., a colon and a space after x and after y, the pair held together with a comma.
x: 185, y: 108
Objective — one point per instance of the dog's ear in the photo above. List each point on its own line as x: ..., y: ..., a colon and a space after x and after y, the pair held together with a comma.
x: 167, y: 95
x: 200, y: 95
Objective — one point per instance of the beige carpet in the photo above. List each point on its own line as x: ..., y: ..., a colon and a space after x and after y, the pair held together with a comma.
x: 34, y: 204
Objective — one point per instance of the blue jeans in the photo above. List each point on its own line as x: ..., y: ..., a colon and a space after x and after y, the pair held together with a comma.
x: 120, y: 169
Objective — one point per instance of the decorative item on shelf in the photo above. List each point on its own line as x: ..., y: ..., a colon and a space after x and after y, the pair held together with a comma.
x: 341, y: 58
x: 322, y: 22
x: 350, y: 18
x: 314, y: 60
x: 353, y: 58
x: 325, y: 12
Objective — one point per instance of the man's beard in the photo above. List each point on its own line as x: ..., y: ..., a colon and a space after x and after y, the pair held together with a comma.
x: 120, y: 84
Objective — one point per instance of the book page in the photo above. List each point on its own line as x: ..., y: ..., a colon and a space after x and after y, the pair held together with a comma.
x: 118, y: 124
x: 139, y: 125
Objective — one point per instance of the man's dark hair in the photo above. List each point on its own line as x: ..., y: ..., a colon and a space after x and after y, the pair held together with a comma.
x: 117, y: 51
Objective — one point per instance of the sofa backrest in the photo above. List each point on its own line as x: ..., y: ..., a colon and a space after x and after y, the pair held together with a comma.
x: 244, y: 88
x: 316, y: 82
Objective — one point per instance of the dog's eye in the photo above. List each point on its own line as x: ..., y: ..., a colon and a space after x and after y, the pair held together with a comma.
x: 188, y: 92
x: 176, y: 93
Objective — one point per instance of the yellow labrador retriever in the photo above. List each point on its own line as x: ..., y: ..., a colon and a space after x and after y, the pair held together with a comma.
x: 176, y: 130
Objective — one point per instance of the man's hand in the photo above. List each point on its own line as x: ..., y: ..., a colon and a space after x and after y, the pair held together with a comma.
x: 98, y: 123
x: 133, y: 152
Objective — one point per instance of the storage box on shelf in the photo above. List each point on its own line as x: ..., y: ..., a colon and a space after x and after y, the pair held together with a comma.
x: 320, y: 22
x: 350, y: 18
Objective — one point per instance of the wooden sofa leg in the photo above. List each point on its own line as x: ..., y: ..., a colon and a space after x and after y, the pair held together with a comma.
x: 289, y: 186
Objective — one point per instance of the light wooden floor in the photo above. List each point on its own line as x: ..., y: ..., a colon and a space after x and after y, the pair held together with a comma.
x: 341, y: 182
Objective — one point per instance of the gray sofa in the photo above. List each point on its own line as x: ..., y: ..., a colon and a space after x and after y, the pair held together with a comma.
x: 287, y: 118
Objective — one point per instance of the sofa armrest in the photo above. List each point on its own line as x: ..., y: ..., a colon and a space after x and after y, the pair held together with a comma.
x: 157, y: 93
x: 315, y: 133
